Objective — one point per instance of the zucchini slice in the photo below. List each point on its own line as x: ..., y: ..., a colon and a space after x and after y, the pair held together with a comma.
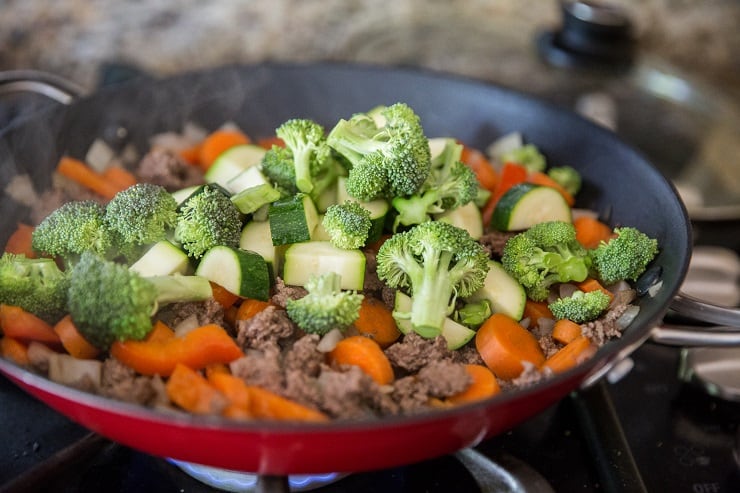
x: 527, y: 204
x: 162, y: 259
x: 467, y: 217
x: 504, y: 293
x: 241, y: 272
x: 232, y: 162
x: 302, y: 260
x: 293, y: 219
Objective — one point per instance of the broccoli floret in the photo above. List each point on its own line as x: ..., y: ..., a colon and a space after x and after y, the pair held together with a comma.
x: 624, y: 257
x: 450, y: 184
x: 528, y: 156
x: 277, y: 165
x: 387, y: 153
x: 434, y: 262
x: 141, y: 215
x: 347, y: 224
x: 567, y: 177
x: 36, y: 285
x: 206, y: 220
x: 580, y: 307
x: 326, y: 306
x: 545, y: 254
x: 109, y: 302
x: 72, y: 229
x: 313, y: 163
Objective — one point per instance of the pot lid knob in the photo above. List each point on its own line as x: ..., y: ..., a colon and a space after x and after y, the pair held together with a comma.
x: 592, y: 35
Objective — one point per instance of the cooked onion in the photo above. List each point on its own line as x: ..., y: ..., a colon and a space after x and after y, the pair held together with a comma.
x: 67, y: 370
x: 628, y: 316
x: 186, y: 325
x: 330, y: 340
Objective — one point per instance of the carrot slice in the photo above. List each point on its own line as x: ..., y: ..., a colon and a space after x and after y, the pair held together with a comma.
x: 74, y: 343
x: 591, y: 284
x: 217, y: 142
x: 197, y: 349
x: 189, y: 390
x: 565, y: 331
x: 268, y: 142
x: 573, y: 353
x: 511, y: 174
x: 234, y: 388
x: 535, y: 310
x: 484, y: 385
x: 191, y: 155
x: 539, y: 178
x: 160, y: 332
x: 376, y: 322
x: 250, y: 307
x: 14, y: 350
x: 590, y: 232
x: 120, y: 176
x: 365, y: 353
x: 505, y: 345
x: 224, y: 297
x: 482, y: 167
x: 268, y: 405
x: 78, y: 171
x: 24, y: 326
x: 20, y: 241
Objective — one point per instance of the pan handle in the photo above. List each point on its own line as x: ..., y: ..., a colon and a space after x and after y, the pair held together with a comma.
x: 693, y: 308
x: 696, y: 335
x: 51, y: 86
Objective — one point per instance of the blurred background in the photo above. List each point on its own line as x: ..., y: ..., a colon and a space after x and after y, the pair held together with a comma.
x: 483, y: 38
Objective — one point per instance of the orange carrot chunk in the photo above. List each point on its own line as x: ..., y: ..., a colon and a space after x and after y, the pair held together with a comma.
x: 590, y: 232
x: 482, y: 167
x: 264, y: 404
x: 535, y: 310
x: 217, y: 142
x: 224, y: 297
x: 78, y: 171
x: 20, y: 241
x: 74, y: 343
x: 197, y: 349
x: 484, y: 385
x: 591, y: 284
x: 234, y: 388
x: 573, y: 353
x: 505, y: 345
x: 376, y: 322
x: 365, y: 353
x: 565, y: 331
x: 250, y: 307
x: 120, y: 176
x: 14, y: 350
x: 24, y: 326
x: 188, y: 389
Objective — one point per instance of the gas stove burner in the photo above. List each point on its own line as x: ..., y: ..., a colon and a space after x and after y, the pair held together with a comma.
x: 715, y: 370
x: 243, y: 482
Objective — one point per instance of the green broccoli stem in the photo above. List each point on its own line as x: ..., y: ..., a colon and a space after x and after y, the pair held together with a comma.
x: 177, y: 288
x: 303, y: 178
x: 431, y: 295
x: 414, y: 209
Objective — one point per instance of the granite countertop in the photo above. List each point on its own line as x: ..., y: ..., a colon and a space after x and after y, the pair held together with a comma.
x: 489, y: 39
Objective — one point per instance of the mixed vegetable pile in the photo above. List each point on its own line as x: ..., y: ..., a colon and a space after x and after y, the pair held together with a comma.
x: 483, y: 252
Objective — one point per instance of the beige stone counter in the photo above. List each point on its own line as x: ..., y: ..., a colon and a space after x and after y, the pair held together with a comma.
x: 490, y: 39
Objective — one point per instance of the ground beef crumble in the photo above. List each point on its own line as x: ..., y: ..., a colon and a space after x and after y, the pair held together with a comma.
x: 165, y: 168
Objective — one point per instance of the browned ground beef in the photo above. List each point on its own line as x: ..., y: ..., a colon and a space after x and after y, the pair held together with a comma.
x: 414, y: 352
x: 283, y: 293
x: 165, y: 168
x: 493, y: 242
x: 266, y: 329
x: 205, y: 312
x: 121, y: 382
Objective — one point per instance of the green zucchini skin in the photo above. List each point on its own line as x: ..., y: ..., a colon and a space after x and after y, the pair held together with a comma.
x: 293, y: 219
x: 527, y: 204
x: 242, y: 272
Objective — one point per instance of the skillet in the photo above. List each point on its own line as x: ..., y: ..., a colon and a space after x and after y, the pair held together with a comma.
x: 618, y: 183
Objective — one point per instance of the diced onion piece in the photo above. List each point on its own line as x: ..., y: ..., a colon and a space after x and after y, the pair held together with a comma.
x: 578, y: 212
x: 628, y: 316
x: 99, y: 155
x: 329, y: 341
x: 67, y: 370
x: 655, y: 288
x: 186, y: 325
x: 504, y: 144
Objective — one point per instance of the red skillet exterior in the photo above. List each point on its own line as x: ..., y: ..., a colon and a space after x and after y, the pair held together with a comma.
x: 299, y: 449
x: 616, y: 179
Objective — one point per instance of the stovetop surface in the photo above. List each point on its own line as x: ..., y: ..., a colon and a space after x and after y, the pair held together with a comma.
x: 681, y: 439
